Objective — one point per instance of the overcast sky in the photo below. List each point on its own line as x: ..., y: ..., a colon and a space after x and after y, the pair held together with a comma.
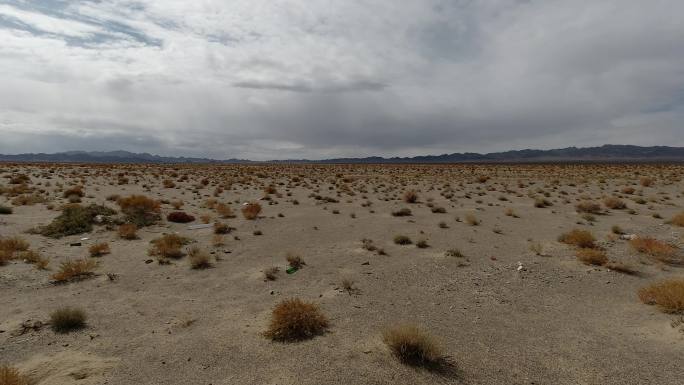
x: 275, y: 79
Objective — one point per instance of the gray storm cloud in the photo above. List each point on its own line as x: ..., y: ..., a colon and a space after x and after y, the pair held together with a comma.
x: 291, y: 79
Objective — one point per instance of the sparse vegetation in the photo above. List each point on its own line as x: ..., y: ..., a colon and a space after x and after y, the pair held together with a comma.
x: 99, y: 249
x: 251, y: 210
x: 296, y: 320
x: 67, y: 319
x: 140, y: 210
x: 413, y: 346
x: 179, y: 217
x: 402, y: 240
x: 668, y: 295
x: 72, y: 270
x: 75, y: 219
x: 579, y: 238
x: 11, y: 376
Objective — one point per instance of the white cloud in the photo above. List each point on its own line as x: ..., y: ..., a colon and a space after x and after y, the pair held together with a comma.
x: 279, y: 79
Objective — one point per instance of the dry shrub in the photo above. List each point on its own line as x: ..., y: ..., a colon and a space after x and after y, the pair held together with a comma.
x: 413, y: 346
x: 11, y: 376
x: 34, y: 258
x: 167, y: 246
x: 271, y: 274
x: 128, y: 231
x: 402, y: 240
x: 592, y: 256
x: 296, y: 320
x: 579, y: 238
x: 72, y: 270
x: 199, y: 259
x: 75, y: 219
x: 472, y: 220
x: 76, y: 191
x: 677, y: 220
x: 404, y: 212
x: 99, y: 249
x: 140, y: 210
x: 251, y: 210
x: 221, y: 228
x: 646, y: 181
x: 588, y: 207
x: 614, y: 203
x: 621, y: 268
x: 224, y: 211
x: 179, y: 217
x: 411, y: 196
x: 659, y: 250
x: 667, y: 295
x: 295, y: 261
x: 67, y: 319
x: 13, y: 244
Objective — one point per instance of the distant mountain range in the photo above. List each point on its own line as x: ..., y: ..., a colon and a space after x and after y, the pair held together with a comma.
x: 605, y: 153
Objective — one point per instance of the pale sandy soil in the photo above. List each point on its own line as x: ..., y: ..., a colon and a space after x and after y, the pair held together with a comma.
x: 554, y: 321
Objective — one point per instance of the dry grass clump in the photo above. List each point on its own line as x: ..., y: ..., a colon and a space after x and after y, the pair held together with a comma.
x: 579, y: 238
x: 295, y: 261
x: 621, y: 268
x: 592, y: 256
x: 413, y: 346
x: 199, y: 259
x: 588, y: 207
x: 179, y: 217
x: 128, y: 231
x: 221, y: 228
x: 677, y: 220
x: 646, y: 181
x: 271, y: 274
x: 667, y: 295
x: 75, y: 219
x: 72, y: 270
x: 140, y: 210
x: 411, y: 196
x: 614, y: 203
x: 472, y: 220
x: 251, y: 210
x: 403, y: 212
x: 224, y: 211
x: 296, y: 320
x: 67, y: 319
x: 34, y: 258
x: 99, y: 249
x: 13, y: 244
x: 657, y: 249
x: 167, y: 246
x: 402, y: 240
x: 11, y: 376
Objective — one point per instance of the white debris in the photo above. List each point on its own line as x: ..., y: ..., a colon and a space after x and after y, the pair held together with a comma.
x: 85, y: 238
x: 200, y: 226
x: 520, y: 266
x: 628, y: 237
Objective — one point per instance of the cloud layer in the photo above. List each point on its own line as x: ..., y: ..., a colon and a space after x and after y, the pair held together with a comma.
x: 266, y: 79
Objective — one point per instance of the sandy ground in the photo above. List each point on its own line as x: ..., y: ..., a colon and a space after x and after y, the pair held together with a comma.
x: 552, y: 321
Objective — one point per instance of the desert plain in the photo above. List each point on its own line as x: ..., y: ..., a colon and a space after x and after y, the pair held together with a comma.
x: 505, y: 274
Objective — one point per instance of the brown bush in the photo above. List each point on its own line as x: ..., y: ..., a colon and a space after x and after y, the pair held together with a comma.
x: 614, y: 203
x: 67, y: 319
x: 140, y: 210
x: 251, y: 210
x: 167, y: 246
x: 128, y: 231
x: 296, y: 320
x: 413, y: 346
x: 224, y: 211
x: 199, y: 259
x: 295, y: 261
x: 588, y: 207
x: 667, y: 295
x: 179, y: 217
x: 9, y: 246
x: 579, y: 238
x: 72, y: 270
x: 592, y: 256
x: 659, y: 250
x: 99, y: 249
x: 646, y: 181
x: 411, y: 196
x: 11, y: 376
x: 677, y: 220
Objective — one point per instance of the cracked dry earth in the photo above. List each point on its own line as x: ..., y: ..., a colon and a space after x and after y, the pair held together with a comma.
x: 513, y: 305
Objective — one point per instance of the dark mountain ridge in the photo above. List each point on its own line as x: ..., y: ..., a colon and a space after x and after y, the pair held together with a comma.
x: 605, y: 153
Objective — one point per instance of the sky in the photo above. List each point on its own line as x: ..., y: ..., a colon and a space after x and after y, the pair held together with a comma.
x: 291, y: 79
